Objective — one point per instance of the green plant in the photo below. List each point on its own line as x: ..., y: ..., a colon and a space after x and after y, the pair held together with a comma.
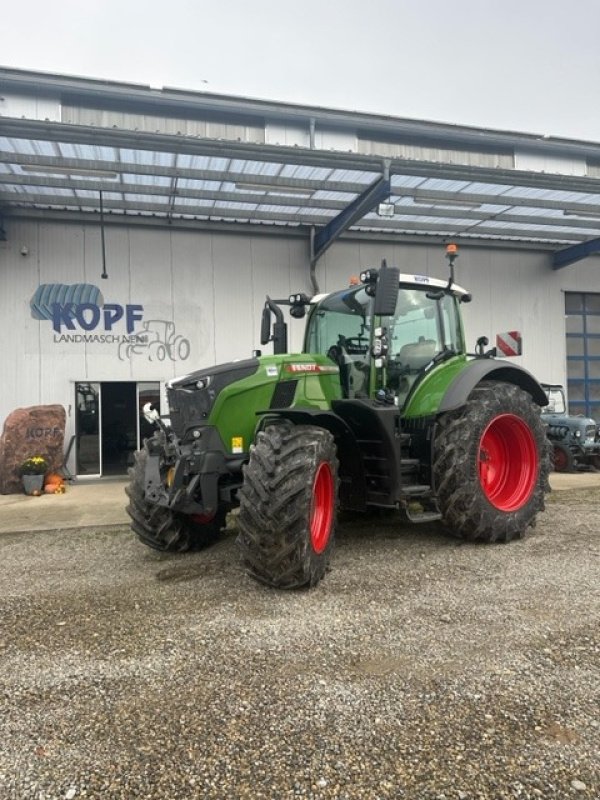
x: 34, y: 465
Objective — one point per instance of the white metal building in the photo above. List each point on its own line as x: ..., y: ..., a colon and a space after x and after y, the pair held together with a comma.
x: 141, y: 230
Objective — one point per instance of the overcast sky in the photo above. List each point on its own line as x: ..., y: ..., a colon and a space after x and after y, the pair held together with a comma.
x: 521, y: 65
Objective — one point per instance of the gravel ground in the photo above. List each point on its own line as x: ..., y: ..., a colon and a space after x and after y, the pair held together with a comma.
x: 421, y: 667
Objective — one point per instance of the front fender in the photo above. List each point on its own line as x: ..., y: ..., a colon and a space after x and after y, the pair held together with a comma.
x: 353, y: 481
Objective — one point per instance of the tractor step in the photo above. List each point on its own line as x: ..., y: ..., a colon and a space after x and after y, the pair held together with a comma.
x: 409, y: 465
x: 420, y: 507
x: 416, y: 490
x: 424, y: 516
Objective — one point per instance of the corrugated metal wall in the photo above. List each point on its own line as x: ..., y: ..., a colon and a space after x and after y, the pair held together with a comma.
x: 283, y: 134
x: 210, y: 289
x: 212, y: 129
x: 437, y: 154
x: 44, y: 106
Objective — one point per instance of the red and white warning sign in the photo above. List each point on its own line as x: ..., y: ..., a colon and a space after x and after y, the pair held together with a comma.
x: 509, y: 344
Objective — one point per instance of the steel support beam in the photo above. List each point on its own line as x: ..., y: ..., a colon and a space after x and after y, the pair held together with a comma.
x: 365, y: 202
x: 570, y: 255
x: 310, y: 217
x: 256, y: 227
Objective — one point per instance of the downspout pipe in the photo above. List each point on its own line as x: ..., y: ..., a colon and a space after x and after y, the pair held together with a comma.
x: 104, y: 274
x: 313, y: 263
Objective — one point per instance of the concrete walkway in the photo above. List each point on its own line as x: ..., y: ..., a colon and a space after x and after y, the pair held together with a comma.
x: 102, y: 503
x: 84, y: 504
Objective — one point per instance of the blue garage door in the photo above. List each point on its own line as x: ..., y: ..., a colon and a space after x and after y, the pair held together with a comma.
x: 583, y: 353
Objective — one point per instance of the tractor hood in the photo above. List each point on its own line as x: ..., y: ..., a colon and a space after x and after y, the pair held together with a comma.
x: 192, y: 397
x: 237, y: 369
x: 580, y: 428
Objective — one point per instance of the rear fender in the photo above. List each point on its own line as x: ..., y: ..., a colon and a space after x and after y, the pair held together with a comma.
x: 488, y: 369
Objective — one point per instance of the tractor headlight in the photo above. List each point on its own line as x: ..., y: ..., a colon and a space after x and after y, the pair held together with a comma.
x: 577, y: 434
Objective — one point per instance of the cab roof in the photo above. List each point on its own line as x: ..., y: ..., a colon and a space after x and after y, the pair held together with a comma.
x: 407, y: 280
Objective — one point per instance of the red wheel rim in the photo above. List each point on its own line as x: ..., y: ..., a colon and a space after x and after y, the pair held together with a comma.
x: 559, y: 457
x: 507, y: 462
x: 322, y: 508
x: 202, y: 519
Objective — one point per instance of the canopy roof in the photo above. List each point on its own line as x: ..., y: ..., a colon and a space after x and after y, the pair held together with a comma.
x: 193, y: 159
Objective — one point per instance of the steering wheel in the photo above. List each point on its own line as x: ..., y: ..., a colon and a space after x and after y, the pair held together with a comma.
x: 355, y: 345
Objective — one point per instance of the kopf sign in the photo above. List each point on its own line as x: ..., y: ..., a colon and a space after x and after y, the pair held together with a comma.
x: 89, y: 315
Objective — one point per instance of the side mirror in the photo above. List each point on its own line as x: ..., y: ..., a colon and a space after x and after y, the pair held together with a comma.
x: 279, y: 337
x: 265, y: 326
x: 386, y: 293
x: 482, y: 343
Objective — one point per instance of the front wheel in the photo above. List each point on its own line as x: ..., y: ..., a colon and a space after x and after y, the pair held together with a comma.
x: 491, y: 464
x: 562, y: 458
x: 288, y: 505
x: 163, y: 529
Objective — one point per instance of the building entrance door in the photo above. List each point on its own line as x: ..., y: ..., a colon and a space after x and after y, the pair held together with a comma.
x: 110, y: 425
x: 118, y: 426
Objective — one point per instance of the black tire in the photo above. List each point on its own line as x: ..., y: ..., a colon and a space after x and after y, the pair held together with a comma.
x: 288, y: 506
x: 160, y: 528
x: 562, y: 458
x: 491, y: 464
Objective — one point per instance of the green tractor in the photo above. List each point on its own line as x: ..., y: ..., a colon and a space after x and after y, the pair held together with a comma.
x: 383, y: 409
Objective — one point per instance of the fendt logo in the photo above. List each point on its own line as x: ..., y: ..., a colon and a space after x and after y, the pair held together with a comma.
x: 81, y: 306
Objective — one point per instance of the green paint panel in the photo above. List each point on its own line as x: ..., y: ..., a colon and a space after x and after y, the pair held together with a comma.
x: 428, y: 395
x: 235, y: 413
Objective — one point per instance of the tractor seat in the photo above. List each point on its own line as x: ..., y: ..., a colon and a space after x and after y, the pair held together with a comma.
x: 417, y: 355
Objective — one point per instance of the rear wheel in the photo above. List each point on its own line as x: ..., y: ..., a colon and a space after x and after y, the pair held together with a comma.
x: 288, y: 506
x: 491, y: 464
x: 161, y: 528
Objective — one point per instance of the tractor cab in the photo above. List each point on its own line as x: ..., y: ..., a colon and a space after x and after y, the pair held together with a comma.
x: 387, y: 352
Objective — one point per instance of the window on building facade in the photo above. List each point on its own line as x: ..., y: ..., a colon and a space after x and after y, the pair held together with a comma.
x: 583, y: 353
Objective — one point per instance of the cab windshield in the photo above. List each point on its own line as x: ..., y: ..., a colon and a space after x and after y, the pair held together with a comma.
x: 425, y: 326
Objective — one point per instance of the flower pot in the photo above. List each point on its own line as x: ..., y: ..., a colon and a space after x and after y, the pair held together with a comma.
x: 33, y: 483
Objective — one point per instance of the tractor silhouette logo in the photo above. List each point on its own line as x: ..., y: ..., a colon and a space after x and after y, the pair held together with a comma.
x: 158, y: 341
